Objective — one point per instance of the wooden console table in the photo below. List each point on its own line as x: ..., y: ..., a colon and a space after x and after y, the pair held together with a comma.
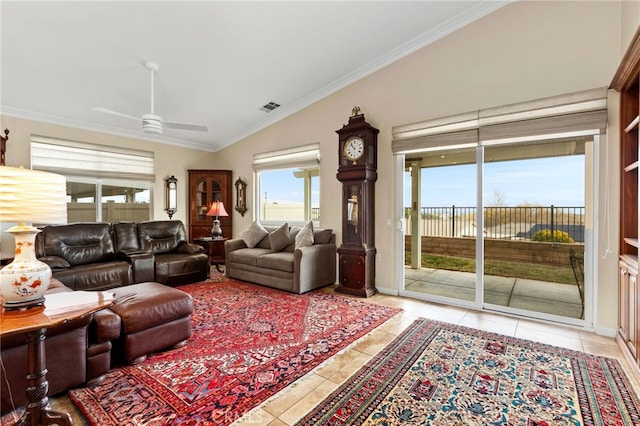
x: 214, y: 248
x: 58, y: 308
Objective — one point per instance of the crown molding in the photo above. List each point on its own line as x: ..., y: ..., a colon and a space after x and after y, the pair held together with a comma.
x: 94, y: 127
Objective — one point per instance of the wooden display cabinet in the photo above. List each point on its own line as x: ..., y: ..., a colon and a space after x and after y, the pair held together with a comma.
x: 206, y: 187
x: 627, y: 82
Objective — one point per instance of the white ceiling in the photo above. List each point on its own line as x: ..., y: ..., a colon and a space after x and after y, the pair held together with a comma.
x: 220, y: 62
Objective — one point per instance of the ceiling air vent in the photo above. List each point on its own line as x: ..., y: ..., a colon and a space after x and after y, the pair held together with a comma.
x: 269, y: 107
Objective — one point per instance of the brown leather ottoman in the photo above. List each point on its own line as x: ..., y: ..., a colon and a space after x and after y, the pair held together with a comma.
x: 154, y: 317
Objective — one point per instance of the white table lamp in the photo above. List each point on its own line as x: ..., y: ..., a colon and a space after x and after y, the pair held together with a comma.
x: 27, y: 197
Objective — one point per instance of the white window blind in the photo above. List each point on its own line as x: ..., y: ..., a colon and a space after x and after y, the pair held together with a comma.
x: 576, y: 114
x: 302, y: 157
x: 83, y: 159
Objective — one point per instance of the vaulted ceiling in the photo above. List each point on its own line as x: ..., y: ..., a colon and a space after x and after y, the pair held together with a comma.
x: 219, y: 62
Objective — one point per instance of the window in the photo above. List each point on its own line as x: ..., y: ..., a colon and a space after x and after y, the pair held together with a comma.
x: 288, y: 185
x: 104, y: 184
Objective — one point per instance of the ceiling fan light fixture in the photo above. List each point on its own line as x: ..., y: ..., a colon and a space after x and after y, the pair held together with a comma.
x: 152, y: 123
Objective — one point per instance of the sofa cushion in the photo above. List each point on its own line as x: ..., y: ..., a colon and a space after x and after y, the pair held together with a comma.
x: 293, y: 231
x: 126, y: 236
x: 162, y: 236
x: 322, y: 236
x: 282, y: 261
x: 305, y: 236
x: 55, y: 262
x: 170, y: 267
x: 279, y: 239
x: 247, y: 256
x: 79, y: 243
x: 96, y: 276
x: 253, y: 234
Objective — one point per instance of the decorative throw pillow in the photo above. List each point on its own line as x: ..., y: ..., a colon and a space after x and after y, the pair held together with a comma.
x: 305, y: 236
x: 280, y: 238
x: 253, y: 234
x: 322, y: 236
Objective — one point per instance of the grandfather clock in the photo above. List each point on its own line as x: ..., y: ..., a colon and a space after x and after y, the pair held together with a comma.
x: 358, y: 162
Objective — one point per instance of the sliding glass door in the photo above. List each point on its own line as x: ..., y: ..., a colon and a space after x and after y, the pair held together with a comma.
x: 440, y: 217
x: 534, y: 227
x: 527, y: 205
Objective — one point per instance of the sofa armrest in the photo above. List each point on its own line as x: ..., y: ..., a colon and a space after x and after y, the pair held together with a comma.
x: 190, y: 248
x: 232, y: 245
x: 105, y: 326
x: 314, y: 266
x: 142, y: 265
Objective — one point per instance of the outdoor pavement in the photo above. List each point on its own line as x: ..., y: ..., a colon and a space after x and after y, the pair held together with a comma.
x: 532, y: 295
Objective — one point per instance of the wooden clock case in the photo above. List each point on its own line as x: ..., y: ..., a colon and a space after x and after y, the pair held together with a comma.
x: 357, y: 253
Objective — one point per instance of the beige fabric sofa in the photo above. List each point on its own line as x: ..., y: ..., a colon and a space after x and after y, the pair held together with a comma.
x: 296, y: 270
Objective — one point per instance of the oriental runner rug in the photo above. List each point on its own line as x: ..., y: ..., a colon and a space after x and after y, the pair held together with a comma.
x: 442, y: 374
x: 248, y: 343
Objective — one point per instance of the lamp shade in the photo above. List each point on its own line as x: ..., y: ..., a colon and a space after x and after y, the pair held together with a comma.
x: 217, y: 209
x: 32, y: 196
x: 28, y: 196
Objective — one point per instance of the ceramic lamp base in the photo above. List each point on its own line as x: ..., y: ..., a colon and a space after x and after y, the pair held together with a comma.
x: 24, y: 281
x: 216, y: 231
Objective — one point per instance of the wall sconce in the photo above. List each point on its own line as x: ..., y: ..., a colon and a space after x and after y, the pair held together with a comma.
x: 241, y: 196
x: 171, y: 195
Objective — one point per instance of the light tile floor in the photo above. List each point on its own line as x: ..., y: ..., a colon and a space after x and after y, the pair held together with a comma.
x: 295, y: 401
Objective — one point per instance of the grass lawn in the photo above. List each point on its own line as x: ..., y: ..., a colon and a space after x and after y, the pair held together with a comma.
x: 503, y: 269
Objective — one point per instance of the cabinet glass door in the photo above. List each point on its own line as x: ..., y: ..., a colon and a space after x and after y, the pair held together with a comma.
x: 352, y: 204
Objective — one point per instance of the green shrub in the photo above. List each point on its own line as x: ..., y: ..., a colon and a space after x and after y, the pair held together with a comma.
x: 557, y: 237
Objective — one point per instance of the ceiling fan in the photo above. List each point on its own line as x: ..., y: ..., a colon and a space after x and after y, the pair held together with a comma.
x: 152, y: 123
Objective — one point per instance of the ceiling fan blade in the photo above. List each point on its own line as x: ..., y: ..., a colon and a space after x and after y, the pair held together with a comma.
x: 119, y: 114
x: 182, y: 126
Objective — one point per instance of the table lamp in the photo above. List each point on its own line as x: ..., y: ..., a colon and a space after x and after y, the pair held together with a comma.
x: 28, y: 196
x: 217, y: 210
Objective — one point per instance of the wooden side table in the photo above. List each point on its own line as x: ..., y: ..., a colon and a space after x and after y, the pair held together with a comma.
x: 214, y: 248
x: 58, y: 308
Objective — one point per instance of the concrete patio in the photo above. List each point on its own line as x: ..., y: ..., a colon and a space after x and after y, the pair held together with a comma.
x: 532, y: 295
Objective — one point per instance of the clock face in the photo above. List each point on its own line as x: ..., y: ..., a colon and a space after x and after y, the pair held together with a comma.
x: 353, y: 148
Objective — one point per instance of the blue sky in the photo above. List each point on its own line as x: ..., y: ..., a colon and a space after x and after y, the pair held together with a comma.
x: 282, y: 186
x: 542, y: 181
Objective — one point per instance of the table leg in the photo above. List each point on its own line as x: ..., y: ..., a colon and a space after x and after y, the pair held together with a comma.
x: 37, y: 411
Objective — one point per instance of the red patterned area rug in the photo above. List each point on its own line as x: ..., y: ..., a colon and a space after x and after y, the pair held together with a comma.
x: 442, y: 374
x: 248, y: 343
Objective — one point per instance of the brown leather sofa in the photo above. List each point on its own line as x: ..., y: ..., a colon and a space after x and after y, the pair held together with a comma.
x: 77, y: 352
x: 100, y: 256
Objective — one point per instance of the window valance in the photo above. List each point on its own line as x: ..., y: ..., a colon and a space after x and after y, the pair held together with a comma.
x: 84, y: 159
x: 575, y: 114
x: 302, y: 156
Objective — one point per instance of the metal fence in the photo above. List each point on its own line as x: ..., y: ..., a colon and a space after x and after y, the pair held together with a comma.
x: 516, y: 223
